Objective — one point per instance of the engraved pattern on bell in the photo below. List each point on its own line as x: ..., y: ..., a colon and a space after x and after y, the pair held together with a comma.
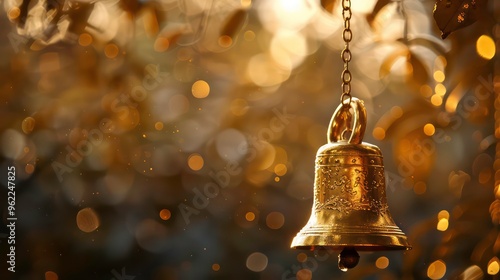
x: 342, y: 187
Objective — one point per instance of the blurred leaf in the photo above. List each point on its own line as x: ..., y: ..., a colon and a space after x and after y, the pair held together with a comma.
x: 414, y: 66
x: 26, y: 6
x: 431, y: 43
x: 420, y: 74
x: 234, y: 23
x: 385, y: 68
x: 23, y: 12
x: 131, y: 6
x: 329, y: 5
x: 156, y: 9
x: 457, y: 181
x: 453, y: 15
x: 151, y: 23
x: 171, y: 37
x: 79, y: 16
x: 378, y: 7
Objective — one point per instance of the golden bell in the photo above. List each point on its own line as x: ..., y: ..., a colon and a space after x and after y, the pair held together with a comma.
x: 350, y: 209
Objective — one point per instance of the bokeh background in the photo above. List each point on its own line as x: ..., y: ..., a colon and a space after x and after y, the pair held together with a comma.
x: 176, y: 139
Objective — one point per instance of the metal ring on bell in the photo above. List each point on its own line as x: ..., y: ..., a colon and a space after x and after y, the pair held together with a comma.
x: 340, y: 124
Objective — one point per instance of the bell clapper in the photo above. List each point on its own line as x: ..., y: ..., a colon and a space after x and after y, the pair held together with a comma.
x: 348, y: 258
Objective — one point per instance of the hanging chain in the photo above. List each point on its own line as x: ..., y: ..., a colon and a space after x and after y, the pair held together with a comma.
x: 345, y: 98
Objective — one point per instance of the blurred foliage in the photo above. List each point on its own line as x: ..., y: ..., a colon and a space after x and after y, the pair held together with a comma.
x: 123, y: 117
x: 453, y: 15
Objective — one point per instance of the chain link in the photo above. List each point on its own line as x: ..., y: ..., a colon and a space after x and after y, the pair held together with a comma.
x: 346, y: 55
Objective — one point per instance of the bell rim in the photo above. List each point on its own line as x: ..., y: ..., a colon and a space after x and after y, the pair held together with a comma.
x: 360, y: 241
x: 357, y: 247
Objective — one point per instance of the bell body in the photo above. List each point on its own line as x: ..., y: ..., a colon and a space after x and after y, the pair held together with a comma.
x: 350, y: 204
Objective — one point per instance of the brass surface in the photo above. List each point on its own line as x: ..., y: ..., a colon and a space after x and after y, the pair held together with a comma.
x: 350, y: 205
